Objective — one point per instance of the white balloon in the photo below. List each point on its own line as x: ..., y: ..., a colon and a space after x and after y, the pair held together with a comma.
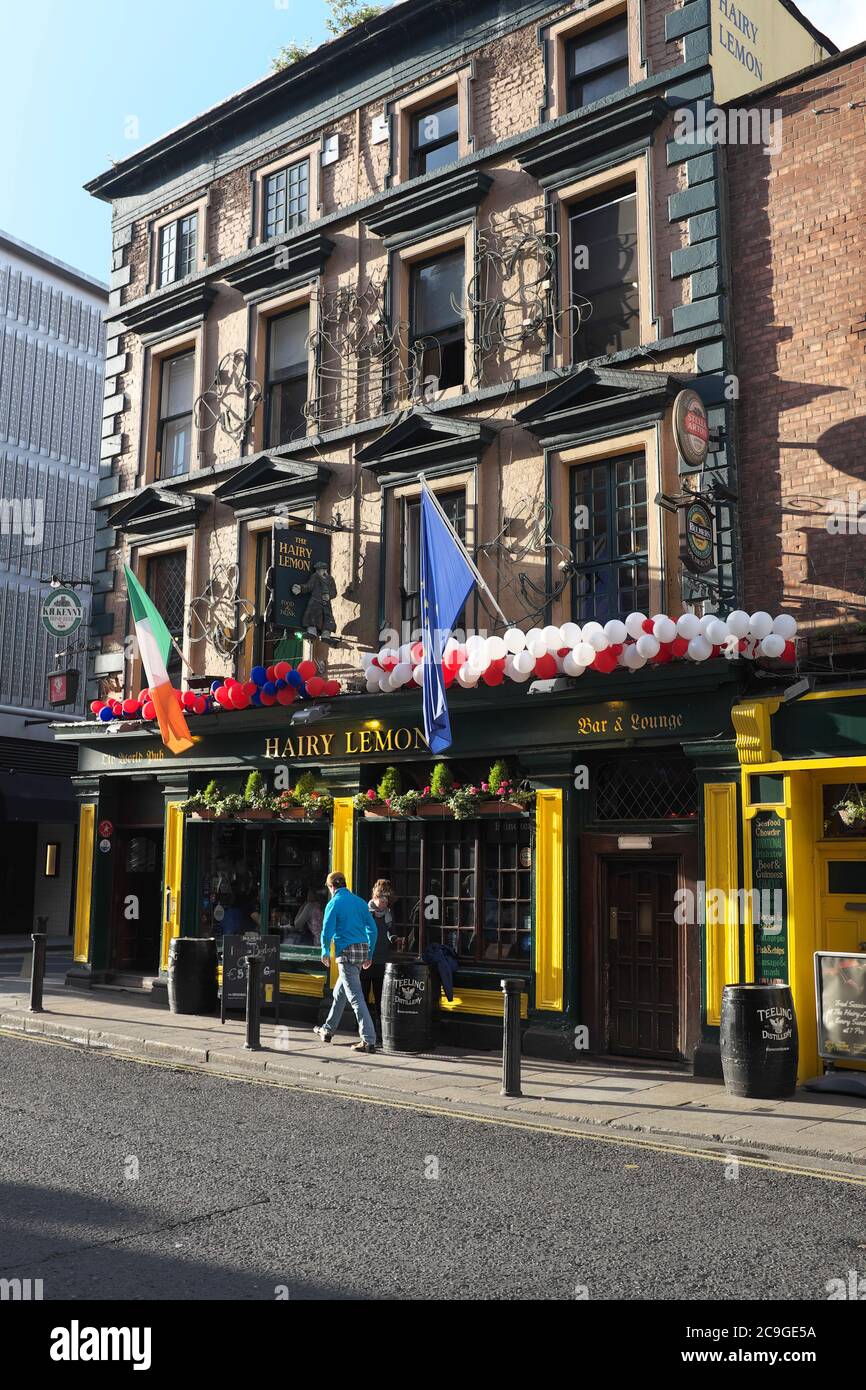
x: 524, y: 662
x: 705, y: 623
x: 648, y: 646
x: 633, y: 659
x: 584, y: 654
x: 514, y: 641
x: 773, y: 646
x: 534, y: 635
x: 615, y: 632
x: 552, y: 638
x: 468, y: 676
x: 571, y: 666
x: 717, y: 633
x: 593, y: 633
x: 664, y: 629
x: 386, y: 654
x: 634, y: 624
x: 373, y: 685
x: 570, y: 634
x: 451, y: 647
x: 496, y: 648
x: 700, y: 649
x: 785, y: 626
x: 418, y: 675
x: 760, y: 625
x: 475, y: 643
x: 478, y: 659
x: 688, y: 626
x: 537, y: 647
x: 738, y: 623
x: 402, y: 674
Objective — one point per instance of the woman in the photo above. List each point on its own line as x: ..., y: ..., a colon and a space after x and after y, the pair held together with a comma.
x: 310, y: 917
x: 380, y: 903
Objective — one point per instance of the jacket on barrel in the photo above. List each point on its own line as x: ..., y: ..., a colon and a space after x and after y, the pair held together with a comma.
x: 348, y: 922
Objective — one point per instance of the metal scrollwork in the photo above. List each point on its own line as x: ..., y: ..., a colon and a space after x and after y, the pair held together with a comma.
x: 231, y: 400
x: 219, y: 615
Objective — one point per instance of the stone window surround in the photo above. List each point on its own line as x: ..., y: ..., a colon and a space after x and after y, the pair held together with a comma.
x: 261, y: 314
x: 138, y: 558
x: 435, y: 93
x: 201, y: 206
x: 310, y: 152
x: 191, y: 340
x: 401, y: 267
x: 394, y: 496
x: 561, y: 34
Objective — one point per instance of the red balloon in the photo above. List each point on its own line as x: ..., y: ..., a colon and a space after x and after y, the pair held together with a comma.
x: 250, y: 688
x: 315, y: 686
x: 375, y: 662
x: 281, y: 670
x: 189, y: 698
x: 605, y: 661
x: 130, y: 707
x: 385, y: 665
x: 664, y: 655
x: 96, y: 706
x: 272, y: 673
x: 308, y: 669
x: 200, y: 706
x: 618, y: 648
x: 178, y: 695
x: 417, y: 653
x: 493, y: 675
x: 240, y: 698
x: 333, y: 688
x: 288, y: 696
x: 448, y: 676
x: 717, y: 651
x: 679, y: 646
x: 143, y: 696
x: 223, y: 696
x: 648, y: 626
x: 149, y: 710
x: 268, y: 699
x: 789, y: 655
x: 545, y: 667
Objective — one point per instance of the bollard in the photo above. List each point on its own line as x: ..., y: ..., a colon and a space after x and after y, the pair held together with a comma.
x: 253, y: 1040
x: 511, y: 990
x: 37, y: 971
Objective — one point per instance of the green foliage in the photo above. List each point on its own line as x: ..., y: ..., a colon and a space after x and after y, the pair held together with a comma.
x: 390, y: 786
x: 211, y: 795
x: 305, y: 785
x: 254, y: 791
x: 496, y: 776
x: 441, y: 782
x: 290, y: 54
x: 348, y: 14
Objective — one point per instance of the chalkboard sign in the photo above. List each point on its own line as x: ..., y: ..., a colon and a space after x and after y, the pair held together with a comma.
x: 296, y: 554
x: 769, y: 905
x: 235, y: 972
x: 840, y: 985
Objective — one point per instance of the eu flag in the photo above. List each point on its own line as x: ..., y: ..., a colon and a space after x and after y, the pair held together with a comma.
x: 447, y: 579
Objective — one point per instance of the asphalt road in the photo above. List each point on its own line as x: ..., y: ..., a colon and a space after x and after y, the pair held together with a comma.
x: 119, y: 1180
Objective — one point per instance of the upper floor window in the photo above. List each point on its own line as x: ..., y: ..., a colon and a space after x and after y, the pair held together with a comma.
x: 610, y: 539
x: 435, y: 137
x: 596, y: 63
x: 286, y: 199
x: 165, y: 582
x: 437, y: 326
x: 453, y: 505
x: 287, y: 377
x: 178, y: 249
x: 174, y: 428
x: 604, y: 256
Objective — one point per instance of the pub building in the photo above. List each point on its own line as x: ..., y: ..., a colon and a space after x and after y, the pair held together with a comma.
x: 393, y: 259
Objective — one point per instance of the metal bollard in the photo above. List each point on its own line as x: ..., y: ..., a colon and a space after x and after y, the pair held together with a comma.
x: 253, y: 1040
x: 511, y: 990
x: 37, y: 971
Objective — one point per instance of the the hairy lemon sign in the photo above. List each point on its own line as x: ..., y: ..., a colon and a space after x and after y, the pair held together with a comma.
x: 755, y: 42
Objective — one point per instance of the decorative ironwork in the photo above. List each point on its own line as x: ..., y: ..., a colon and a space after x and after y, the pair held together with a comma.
x: 645, y: 790
x: 219, y: 615
x: 231, y: 400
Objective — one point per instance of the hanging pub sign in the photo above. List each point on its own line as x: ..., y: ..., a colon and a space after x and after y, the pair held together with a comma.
x: 769, y: 898
x: 303, y: 587
x: 840, y: 983
x: 63, y: 687
x: 691, y: 428
x: 698, y: 552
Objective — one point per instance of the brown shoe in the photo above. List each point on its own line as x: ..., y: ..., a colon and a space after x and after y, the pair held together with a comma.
x: 363, y: 1047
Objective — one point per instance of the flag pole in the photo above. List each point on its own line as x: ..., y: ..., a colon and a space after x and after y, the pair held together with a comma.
x: 480, y: 580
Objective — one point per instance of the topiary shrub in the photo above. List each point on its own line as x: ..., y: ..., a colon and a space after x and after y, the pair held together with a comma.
x: 390, y: 786
x: 211, y: 795
x: 441, y: 782
x: 305, y: 784
x: 496, y: 776
x: 254, y: 789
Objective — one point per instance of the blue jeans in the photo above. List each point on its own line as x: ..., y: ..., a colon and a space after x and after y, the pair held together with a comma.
x: 350, y: 987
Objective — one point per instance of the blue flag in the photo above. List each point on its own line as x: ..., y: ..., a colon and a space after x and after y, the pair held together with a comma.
x: 447, y: 580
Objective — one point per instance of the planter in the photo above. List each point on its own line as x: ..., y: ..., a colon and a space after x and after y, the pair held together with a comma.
x: 501, y: 808
x: 433, y: 812
x: 204, y: 815
x: 255, y: 815
x: 293, y: 813
x: 380, y: 815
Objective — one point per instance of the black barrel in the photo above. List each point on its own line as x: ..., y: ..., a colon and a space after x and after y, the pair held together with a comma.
x: 407, y: 1007
x: 759, y: 1041
x: 192, y: 975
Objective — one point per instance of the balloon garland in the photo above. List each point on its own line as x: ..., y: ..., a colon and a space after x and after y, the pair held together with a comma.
x: 570, y: 650
x: 272, y: 685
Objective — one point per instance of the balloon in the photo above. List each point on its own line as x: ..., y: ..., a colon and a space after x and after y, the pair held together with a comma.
x: 571, y: 635
x: 105, y: 714
x: 700, y: 649
x: 332, y: 688
x: 495, y: 673
x: 705, y: 623
x: 717, y: 632
x: 593, y: 633
x: 148, y: 711
x: 664, y: 630
x: 468, y: 676
x: 584, y: 654
x: 537, y: 648
x: 545, y: 667
x: 571, y: 666
x: 448, y: 677
x: 416, y: 653
x: 688, y: 626
x: 288, y: 695
x: 633, y: 659
x: 270, y: 689
x: 188, y: 699
x: 634, y: 624
x: 496, y: 649
x: 250, y: 688
x: 524, y: 662
x: 271, y: 674
x: 240, y: 698
x: 372, y: 686
x: 773, y: 646
x: 615, y: 632
x: 648, y: 646
x: 418, y: 675
x: 401, y: 675
x: 738, y: 623
x: 316, y: 685
x: 680, y: 646
x: 143, y: 696
x: 514, y: 641
x: 475, y: 643
x: 282, y: 669
x: 790, y: 653
x: 605, y: 661
x: 265, y: 698
x: 306, y: 669
x: 760, y: 625
x: 532, y: 634
x: 552, y: 638
x: 785, y: 626
x: 477, y: 660
x: 218, y: 685
x: 665, y: 654
x: 200, y: 706
x: 296, y: 680
x: 96, y: 706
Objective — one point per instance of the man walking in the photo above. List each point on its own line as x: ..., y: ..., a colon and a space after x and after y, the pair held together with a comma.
x: 349, y: 924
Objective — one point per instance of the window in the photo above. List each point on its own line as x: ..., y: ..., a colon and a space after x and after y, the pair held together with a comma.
x: 165, y: 582
x: 174, y: 432
x: 453, y: 505
x: 604, y: 256
x: 437, y: 327
x: 435, y: 137
x: 271, y: 644
x: 596, y: 63
x: 478, y: 872
x: 288, y: 377
x: 286, y: 199
x: 610, y: 539
x: 178, y: 247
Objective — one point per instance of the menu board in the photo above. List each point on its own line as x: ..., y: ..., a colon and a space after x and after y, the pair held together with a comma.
x: 235, y: 970
x: 840, y: 983
x: 769, y: 898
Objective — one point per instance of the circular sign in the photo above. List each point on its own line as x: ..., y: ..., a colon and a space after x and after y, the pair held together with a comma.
x: 104, y: 846
x: 106, y: 829
x: 62, y: 613
x: 699, y: 550
x: 691, y: 428
x: 219, y: 912
x: 525, y: 857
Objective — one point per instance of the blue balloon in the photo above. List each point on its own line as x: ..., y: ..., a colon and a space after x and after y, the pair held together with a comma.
x: 269, y: 688
x: 105, y: 715
x: 282, y: 685
x: 256, y: 699
x: 259, y: 675
x: 216, y: 685
x: 294, y: 679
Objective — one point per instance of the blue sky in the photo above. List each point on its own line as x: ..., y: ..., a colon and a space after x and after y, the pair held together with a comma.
x: 86, y: 81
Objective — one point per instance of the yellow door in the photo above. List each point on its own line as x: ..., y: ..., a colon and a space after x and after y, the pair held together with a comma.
x: 842, y: 890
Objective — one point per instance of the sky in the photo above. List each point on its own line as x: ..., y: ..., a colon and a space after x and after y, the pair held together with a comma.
x: 88, y: 81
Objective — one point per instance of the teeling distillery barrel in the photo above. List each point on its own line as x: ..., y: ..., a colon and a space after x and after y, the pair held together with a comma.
x: 192, y: 975
x: 759, y: 1041
x: 407, y: 1007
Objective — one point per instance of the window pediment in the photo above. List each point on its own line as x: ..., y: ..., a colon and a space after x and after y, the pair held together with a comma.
x: 176, y: 307
x: 426, y: 440
x: 280, y: 265
x: 428, y: 205
x: 156, y: 512
x: 579, y: 138
x: 270, y: 481
x: 595, y: 396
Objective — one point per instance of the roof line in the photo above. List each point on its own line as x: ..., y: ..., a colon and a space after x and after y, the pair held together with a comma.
x: 42, y: 258
x: 796, y: 13
x: 836, y: 60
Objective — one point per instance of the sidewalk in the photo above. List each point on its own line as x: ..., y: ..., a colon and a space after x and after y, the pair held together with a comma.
x: 651, y: 1102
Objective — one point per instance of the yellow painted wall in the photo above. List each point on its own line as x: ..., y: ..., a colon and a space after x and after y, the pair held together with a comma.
x: 755, y: 42
x: 722, y: 875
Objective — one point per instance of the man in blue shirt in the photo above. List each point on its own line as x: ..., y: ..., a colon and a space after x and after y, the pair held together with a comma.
x: 349, y: 924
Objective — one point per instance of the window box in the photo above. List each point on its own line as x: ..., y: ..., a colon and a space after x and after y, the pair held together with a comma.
x: 501, y: 808
x: 434, y: 811
x: 300, y: 813
x: 205, y: 815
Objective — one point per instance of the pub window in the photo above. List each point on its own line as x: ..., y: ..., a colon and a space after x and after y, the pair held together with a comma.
x: 604, y: 257
x: 435, y: 137
x: 634, y: 790
x: 174, y: 432
x: 287, y: 377
x: 453, y: 505
x: 178, y: 245
x: 165, y: 582
x: 437, y: 327
x: 286, y: 199
x: 610, y: 538
x: 270, y: 644
x: 596, y: 63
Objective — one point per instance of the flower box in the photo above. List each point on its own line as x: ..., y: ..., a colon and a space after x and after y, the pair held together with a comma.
x: 253, y: 813
x: 203, y: 815
x: 501, y: 808
x: 380, y: 815
x: 433, y: 811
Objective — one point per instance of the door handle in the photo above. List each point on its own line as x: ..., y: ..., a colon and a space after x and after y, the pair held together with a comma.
x: 613, y: 930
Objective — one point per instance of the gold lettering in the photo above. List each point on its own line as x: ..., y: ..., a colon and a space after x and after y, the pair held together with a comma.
x: 327, y: 739
x: 313, y: 746
x: 402, y: 740
x: 272, y: 748
x: 383, y: 741
x: 366, y: 741
x: 350, y: 743
x: 420, y: 740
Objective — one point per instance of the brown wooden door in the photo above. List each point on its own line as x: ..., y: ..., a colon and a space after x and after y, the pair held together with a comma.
x: 643, y: 959
x: 136, y: 917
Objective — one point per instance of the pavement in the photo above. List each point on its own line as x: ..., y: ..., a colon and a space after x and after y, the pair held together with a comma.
x: 651, y: 1101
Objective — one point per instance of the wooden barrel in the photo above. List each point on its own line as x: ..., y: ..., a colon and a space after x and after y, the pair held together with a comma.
x: 759, y: 1041
x: 407, y: 1007
x: 192, y: 975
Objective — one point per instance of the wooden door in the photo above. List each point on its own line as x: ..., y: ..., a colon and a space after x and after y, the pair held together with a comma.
x: 643, y: 959
x: 136, y: 916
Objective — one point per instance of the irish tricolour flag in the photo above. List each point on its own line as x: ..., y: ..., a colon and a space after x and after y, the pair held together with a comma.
x: 154, y: 645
